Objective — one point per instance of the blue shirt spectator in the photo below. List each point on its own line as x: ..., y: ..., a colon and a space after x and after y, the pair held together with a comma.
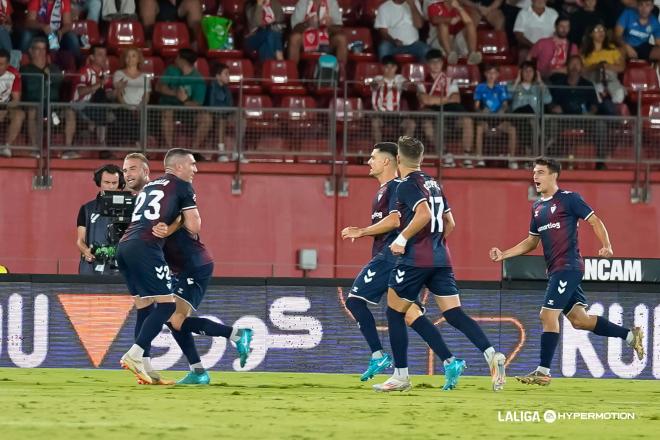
x: 491, y: 97
x: 634, y: 32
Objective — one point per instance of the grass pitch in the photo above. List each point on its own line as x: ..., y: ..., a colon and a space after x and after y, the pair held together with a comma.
x: 94, y: 404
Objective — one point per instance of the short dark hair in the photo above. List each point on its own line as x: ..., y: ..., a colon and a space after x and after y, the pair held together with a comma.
x: 562, y: 18
x: 39, y: 40
x: 434, y: 54
x: 92, y: 50
x: 387, y: 147
x: 553, y: 165
x: 218, y: 68
x: 410, y: 147
x: 525, y: 64
x: 389, y: 59
x: 5, y: 54
x: 175, y: 152
x: 188, y: 55
x: 488, y: 67
x: 110, y: 169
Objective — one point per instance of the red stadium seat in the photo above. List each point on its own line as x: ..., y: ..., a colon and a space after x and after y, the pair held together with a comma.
x: 88, y: 28
x: 234, y: 9
x: 288, y: 6
x: 202, y: 67
x: 494, y: 46
x: 642, y: 81
x: 281, y: 78
x: 364, y: 75
x: 253, y: 108
x: 297, y: 117
x: 242, y: 77
x: 113, y: 63
x: 363, y: 34
x: 122, y: 34
x: 467, y: 76
x: 347, y: 110
x: 153, y: 65
x: 404, y: 58
x: 210, y: 7
x: 508, y: 73
x: 414, y: 72
x: 350, y: 11
x: 169, y: 38
x: 369, y: 8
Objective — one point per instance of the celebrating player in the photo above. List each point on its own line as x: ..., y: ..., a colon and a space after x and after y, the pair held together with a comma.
x: 554, y: 223
x: 371, y: 282
x: 425, y: 261
x: 140, y: 254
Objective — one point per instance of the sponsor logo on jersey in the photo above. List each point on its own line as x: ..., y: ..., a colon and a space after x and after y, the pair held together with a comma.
x: 377, y: 214
x: 550, y: 225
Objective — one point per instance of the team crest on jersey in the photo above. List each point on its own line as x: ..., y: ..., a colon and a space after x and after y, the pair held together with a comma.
x: 536, y: 212
x: 94, y: 217
x: 553, y: 208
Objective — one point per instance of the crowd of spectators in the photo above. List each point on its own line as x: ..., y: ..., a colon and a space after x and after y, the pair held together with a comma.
x: 580, y: 46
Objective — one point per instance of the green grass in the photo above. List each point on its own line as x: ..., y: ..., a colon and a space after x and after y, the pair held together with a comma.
x: 94, y: 404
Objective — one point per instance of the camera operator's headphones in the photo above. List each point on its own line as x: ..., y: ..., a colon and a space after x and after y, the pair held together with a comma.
x: 110, y: 169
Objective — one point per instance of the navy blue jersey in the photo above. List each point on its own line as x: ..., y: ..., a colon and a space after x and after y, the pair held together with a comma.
x: 184, y: 252
x: 427, y: 248
x: 556, y: 220
x: 161, y: 200
x: 383, y: 204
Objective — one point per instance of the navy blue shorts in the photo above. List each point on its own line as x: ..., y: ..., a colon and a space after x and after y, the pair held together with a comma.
x: 191, y: 286
x: 408, y: 281
x: 564, y: 291
x: 144, y: 268
x: 371, y: 283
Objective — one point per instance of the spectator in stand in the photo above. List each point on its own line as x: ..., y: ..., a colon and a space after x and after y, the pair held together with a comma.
x: 454, y: 30
x: 576, y: 96
x: 52, y: 20
x: 386, y: 91
x: 316, y: 26
x: 35, y: 76
x: 5, y: 25
x: 183, y: 85
x: 90, y: 8
x: 93, y: 85
x: 551, y: 53
x: 443, y: 94
x: 398, y: 23
x: 152, y: 11
x: 491, y: 97
x: 589, y: 15
x: 10, y: 98
x: 132, y: 89
x: 635, y: 29
x: 220, y: 97
x: 489, y: 10
x: 265, y: 20
x: 528, y: 96
x: 126, y: 9
x: 533, y: 23
x: 603, y: 62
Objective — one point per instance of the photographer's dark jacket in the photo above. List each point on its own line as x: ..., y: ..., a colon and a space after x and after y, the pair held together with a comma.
x: 96, y: 234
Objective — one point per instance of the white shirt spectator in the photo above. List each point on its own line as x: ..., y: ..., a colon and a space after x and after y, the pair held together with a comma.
x: 533, y: 26
x: 10, y: 82
x: 398, y: 20
x: 304, y: 8
x: 135, y: 87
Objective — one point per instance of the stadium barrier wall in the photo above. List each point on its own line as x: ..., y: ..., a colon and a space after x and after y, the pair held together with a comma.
x: 303, y: 326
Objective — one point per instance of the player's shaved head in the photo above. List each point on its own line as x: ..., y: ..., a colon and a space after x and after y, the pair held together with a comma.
x: 410, y: 151
x: 176, y: 155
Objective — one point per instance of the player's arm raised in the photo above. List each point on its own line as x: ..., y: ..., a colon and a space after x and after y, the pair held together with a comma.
x: 601, y: 232
x: 525, y: 246
x: 420, y: 219
x: 389, y: 223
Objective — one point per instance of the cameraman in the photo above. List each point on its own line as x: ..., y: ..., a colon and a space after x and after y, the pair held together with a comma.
x: 92, y: 226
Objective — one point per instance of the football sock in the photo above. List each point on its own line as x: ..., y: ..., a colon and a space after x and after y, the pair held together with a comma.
x: 629, y: 338
x: 488, y: 354
x: 457, y: 318
x: 377, y: 354
x: 235, y: 335
x: 366, y: 322
x: 135, y: 351
x: 543, y: 370
x: 186, y: 343
x: 549, y: 341
x: 449, y: 361
x: 203, y: 326
x: 147, y: 363
x: 153, y: 324
x: 141, y: 316
x: 401, y: 373
x: 398, y: 337
x: 609, y: 329
x: 197, y: 368
x: 430, y: 334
